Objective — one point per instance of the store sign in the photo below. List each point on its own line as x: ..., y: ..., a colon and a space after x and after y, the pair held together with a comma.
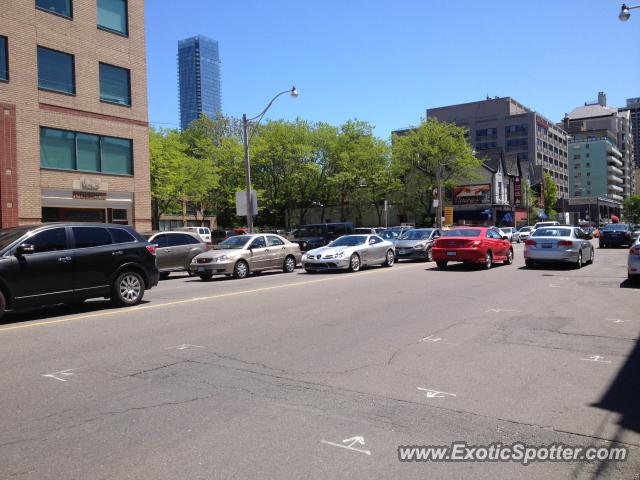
x: 90, y: 184
x: 517, y: 191
x: 448, y: 215
x: 472, y: 194
x: 85, y: 195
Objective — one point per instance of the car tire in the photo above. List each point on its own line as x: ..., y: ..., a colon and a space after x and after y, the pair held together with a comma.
x: 509, y: 259
x: 205, y: 277
x: 529, y: 263
x: 128, y: 289
x: 389, y: 259
x: 289, y: 265
x: 164, y: 275
x: 429, y: 255
x: 578, y: 264
x: 354, y: 263
x: 488, y: 260
x: 593, y: 254
x: 441, y: 265
x: 191, y: 274
x: 240, y: 270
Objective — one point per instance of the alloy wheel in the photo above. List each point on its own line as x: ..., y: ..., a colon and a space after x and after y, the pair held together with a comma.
x: 130, y: 288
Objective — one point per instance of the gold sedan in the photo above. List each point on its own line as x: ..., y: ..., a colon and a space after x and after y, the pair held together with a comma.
x: 240, y: 255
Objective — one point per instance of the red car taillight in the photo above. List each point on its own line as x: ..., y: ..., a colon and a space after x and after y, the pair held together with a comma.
x: 531, y: 243
x: 151, y: 249
x: 565, y: 243
x: 634, y: 251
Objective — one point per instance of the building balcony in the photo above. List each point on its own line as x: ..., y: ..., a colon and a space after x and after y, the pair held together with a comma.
x: 614, y: 160
x: 615, y: 188
x: 614, y: 179
x: 615, y: 170
x: 614, y: 151
x: 613, y: 196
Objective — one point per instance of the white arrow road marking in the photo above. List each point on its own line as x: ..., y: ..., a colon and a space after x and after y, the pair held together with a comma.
x: 184, y: 346
x: 436, y: 393
x: 60, y: 375
x: 596, y: 358
x: 348, y: 444
x: 434, y: 339
x: 498, y: 310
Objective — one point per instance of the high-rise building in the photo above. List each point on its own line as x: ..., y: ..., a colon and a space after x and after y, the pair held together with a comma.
x: 633, y: 105
x: 504, y: 123
x: 199, y: 78
x: 74, y: 133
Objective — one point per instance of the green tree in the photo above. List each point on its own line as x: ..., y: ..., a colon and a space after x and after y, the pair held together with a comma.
x: 549, y: 195
x: 631, y: 209
x: 533, y: 202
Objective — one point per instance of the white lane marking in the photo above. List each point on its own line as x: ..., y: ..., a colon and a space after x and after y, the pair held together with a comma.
x: 184, y: 346
x: 615, y: 320
x: 435, y: 393
x: 551, y: 285
x: 348, y: 444
x: 60, y: 375
x: 596, y: 358
x: 433, y: 339
x: 498, y: 310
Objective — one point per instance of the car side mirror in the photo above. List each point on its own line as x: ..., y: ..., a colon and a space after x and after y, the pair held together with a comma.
x: 25, y: 249
x: 372, y: 242
x: 504, y: 237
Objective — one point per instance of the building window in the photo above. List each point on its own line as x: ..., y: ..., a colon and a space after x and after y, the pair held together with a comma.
x: 62, y: 149
x: 112, y: 16
x: 4, y: 59
x: 56, y: 71
x: 59, y: 7
x: 115, y: 86
x: 586, y: 145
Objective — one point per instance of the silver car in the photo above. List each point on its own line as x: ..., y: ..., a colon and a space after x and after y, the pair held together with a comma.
x: 558, y: 244
x: 176, y: 250
x: 416, y: 244
x: 525, y: 233
x: 240, y: 255
x: 633, y: 264
x: 511, y: 233
x: 350, y: 252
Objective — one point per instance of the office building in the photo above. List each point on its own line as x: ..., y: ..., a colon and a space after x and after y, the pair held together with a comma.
x: 199, y: 79
x: 633, y: 106
x: 504, y: 123
x: 73, y: 112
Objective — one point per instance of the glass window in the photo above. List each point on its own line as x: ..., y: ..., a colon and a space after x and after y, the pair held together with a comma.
x: 4, y: 59
x: 87, y: 237
x: 59, y: 7
x: 49, y: 240
x: 56, y: 71
x: 116, y: 155
x: 161, y: 241
x: 273, y: 241
x: 88, y: 152
x: 112, y: 15
x: 57, y: 148
x: 114, y: 84
x: 120, y: 235
x: 258, y: 242
x: 179, y: 239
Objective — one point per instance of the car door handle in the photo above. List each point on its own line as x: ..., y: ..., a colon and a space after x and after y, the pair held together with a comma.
x: 266, y: 250
x: 64, y: 259
x: 117, y: 252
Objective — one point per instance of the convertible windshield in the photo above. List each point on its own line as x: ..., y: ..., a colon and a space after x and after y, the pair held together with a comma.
x: 238, y: 241
x: 462, y: 232
x: 416, y: 235
x: 309, y: 231
x: 552, y: 232
x: 349, y: 241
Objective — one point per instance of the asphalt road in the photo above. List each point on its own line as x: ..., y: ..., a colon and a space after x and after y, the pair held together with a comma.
x: 265, y: 377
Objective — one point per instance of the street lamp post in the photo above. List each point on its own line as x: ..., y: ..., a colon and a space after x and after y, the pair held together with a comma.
x: 625, y: 12
x: 247, y: 137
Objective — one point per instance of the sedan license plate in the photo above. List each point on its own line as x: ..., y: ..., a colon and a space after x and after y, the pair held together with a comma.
x: 451, y: 254
x: 401, y: 252
x: 546, y: 245
x: 200, y: 269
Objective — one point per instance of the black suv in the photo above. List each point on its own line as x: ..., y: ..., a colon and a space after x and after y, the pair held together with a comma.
x: 72, y: 262
x: 318, y: 235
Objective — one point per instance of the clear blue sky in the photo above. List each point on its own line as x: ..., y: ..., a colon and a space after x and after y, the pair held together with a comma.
x: 387, y: 61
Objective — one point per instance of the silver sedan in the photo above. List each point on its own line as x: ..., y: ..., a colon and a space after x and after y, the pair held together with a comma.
x: 350, y: 252
x: 558, y: 244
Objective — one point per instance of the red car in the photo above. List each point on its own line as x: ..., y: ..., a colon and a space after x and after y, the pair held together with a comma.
x: 482, y: 245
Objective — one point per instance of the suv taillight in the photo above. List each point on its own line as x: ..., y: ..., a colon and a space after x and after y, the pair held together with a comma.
x: 531, y: 243
x: 151, y: 249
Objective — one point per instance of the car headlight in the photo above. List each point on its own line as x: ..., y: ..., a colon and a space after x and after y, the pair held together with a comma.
x: 340, y: 255
x: 223, y: 258
x: 419, y: 246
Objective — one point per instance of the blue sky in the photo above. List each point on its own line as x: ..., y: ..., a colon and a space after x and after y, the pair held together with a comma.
x: 387, y: 61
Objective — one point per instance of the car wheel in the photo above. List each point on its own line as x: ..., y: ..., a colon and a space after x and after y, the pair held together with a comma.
x: 591, y: 257
x: 429, y: 255
x: 289, y: 264
x: 441, y: 265
x: 354, y: 263
x: 529, y: 263
x: 579, y: 262
x: 240, y: 270
x: 205, y: 277
x: 509, y: 259
x: 191, y: 274
x: 390, y: 259
x: 164, y: 275
x: 488, y: 261
x: 128, y: 289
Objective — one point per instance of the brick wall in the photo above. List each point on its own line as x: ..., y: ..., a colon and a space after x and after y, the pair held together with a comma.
x: 26, y: 28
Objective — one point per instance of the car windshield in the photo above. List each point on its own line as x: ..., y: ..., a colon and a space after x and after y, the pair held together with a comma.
x: 388, y: 234
x: 506, y: 230
x: 616, y: 227
x: 349, y: 241
x: 525, y: 229
x: 552, y: 232
x: 238, y: 241
x: 10, y: 235
x: 462, y: 232
x: 416, y: 235
x: 309, y: 231
x: 362, y: 230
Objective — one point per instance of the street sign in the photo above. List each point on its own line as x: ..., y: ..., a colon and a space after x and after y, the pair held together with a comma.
x: 241, y: 203
x: 436, y: 202
x: 448, y: 215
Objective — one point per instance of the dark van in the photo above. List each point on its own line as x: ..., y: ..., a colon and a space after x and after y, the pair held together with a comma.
x: 72, y: 262
x: 318, y: 235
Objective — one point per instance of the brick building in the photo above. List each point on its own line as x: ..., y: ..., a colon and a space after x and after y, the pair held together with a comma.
x: 73, y: 112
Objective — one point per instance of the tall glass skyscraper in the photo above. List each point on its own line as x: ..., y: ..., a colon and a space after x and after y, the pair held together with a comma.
x: 199, y: 78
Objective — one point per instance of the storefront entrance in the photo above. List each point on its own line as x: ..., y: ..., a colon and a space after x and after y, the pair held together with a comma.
x: 99, y: 215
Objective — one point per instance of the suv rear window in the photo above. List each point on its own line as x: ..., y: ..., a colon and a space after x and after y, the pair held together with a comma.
x: 87, y: 237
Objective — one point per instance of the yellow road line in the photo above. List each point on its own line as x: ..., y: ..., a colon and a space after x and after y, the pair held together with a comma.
x: 180, y: 302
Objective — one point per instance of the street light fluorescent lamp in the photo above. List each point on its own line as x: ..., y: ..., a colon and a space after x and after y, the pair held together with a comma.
x: 625, y: 12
